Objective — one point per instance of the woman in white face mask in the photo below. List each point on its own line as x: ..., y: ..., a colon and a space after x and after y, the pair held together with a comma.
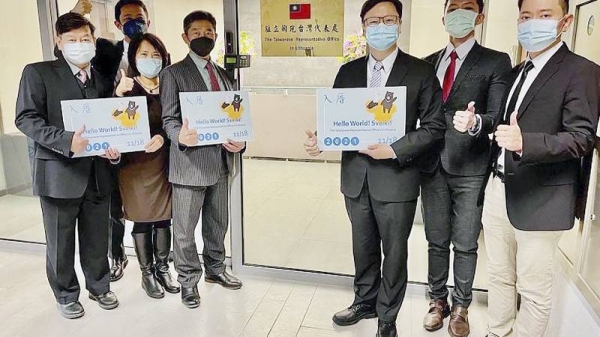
x: 143, y: 178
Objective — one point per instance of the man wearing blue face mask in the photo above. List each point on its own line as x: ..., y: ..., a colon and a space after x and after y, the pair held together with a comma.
x: 131, y: 18
x: 473, y: 85
x: 549, y: 121
x: 381, y: 183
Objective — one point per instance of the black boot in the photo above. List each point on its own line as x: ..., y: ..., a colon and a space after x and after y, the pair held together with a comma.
x: 162, y: 248
x: 143, y: 249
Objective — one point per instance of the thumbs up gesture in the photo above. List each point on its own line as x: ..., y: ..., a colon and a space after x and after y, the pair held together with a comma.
x: 187, y: 136
x: 465, y: 120
x: 79, y: 143
x: 83, y: 7
x: 509, y: 137
x: 125, y: 85
x: 310, y: 145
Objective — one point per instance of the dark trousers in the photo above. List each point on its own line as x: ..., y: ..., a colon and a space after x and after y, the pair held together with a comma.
x: 451, y: 215
x: 188, y: 203
x: 61, y: 218
x: 147, y: 227
x: 377, y: 225
x: 117, y: 225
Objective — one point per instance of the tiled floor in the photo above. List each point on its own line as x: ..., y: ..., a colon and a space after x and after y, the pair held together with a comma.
x: 263, y: 308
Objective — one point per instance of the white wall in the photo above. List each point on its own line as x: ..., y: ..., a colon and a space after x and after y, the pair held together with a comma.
x: 427, y: 34
x: 20, y: 44
x: 501, y: 27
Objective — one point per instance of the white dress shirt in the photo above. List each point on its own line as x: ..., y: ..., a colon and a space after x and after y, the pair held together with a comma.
x: 462, y: 51
x: 388, y: 64
x: 538, y: 64
x: 75, y: 69
x: 124, y: 64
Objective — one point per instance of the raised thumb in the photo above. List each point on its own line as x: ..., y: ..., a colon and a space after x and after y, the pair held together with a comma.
x: 80, y: 131
x: 310, y: 134
x: 513, y: 118
x: 471, y: 107
x: 123, y: 74
x: 186, y: 123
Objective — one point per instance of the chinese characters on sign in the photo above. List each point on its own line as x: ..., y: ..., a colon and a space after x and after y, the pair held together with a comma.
x: 302, y: 27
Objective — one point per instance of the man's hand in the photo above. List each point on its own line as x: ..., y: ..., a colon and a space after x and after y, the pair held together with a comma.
x: 79, y: 143
x: 154, y: 144
x: 83, y: 7
x: 509, y: 137
x: 310, y: 145
x: 465, y: 120
x: 187, y: 136
x: 234, y: 147
x: 125, y: 84
x: 111, y: 154
x: 379, y: 151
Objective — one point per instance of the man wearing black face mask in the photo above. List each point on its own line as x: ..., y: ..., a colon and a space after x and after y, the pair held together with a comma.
x: 199, y: 174
x: 131, y: 17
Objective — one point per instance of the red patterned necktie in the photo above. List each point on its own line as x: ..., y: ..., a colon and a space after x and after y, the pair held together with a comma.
x: 214, y: 82
x: 449, y: 76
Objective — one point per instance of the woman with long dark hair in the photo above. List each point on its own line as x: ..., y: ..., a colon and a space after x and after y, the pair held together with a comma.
x: 143, y: 176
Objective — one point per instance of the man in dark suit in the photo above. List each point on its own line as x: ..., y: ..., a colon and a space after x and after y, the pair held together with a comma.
x: 381, y: 183
x: 473, y: 84
x: 199, y: 174
x: 72, y: 191
x: 131, y: 18
x: 550, y: 116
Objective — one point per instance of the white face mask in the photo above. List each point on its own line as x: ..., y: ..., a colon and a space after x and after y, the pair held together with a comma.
x: 460, y: 23
x: 79, y: 53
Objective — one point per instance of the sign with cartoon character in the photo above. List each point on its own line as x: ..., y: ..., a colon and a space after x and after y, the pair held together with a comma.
x: 353, y: 119
x: 121, y: 123
x: 218, y: 116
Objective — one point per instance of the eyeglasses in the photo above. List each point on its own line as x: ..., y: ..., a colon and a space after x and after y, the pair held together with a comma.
x: 389, y: 20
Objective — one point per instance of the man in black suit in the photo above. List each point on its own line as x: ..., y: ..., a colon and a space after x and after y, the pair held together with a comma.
x: 550, y: 116
x: 131, y: 18
x: 71, y: 190
x: 381, y: 183
x: 473, y: 84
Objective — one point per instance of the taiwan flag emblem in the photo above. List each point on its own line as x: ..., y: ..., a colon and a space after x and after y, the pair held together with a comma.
x: 299, y: 11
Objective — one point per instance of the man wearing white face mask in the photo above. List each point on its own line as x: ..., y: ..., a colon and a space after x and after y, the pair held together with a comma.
x: 74, y: 193
x: 473, y: 84
x: 381, y: 183
x: 550, y: 115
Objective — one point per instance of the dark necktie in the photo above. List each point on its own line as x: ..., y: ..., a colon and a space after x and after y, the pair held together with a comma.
x: 214, y: 82
x: 515, y: 96
x: 449, y: 76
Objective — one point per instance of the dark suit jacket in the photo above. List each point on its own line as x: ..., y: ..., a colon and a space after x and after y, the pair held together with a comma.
x: 558, y: 119
x: 481, y: 79
x: 39, y: 116
x: 194, y: 166
x: 396, y: 180
x: 108, y: 58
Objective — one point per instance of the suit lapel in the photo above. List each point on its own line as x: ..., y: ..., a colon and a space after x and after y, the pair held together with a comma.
x: 472, y: 58
x: 399, y: 71
x: 439, y: 58
x: 362, y: 73
x: 68, y: 79
x: 196, y: 76
x: 549, y: 70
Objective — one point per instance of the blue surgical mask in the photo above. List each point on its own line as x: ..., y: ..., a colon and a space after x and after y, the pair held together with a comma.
x: 149, y: 67
x: 460, y: 23
x: 537, y: 34
x: 79, y: 53
x: 134, y: 28
x: 382, y: 37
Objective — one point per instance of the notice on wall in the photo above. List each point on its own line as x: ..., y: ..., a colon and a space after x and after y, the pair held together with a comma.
x: 302, y: 28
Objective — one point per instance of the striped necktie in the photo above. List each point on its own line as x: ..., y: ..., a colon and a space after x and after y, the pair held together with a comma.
x: 376, y: 76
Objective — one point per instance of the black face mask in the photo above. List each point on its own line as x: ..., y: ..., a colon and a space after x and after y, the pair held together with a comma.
x: 202, y: 46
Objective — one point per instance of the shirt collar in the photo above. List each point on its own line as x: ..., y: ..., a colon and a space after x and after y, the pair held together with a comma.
x: 540, y: 61
x: 462, y: 51
x: 388, y: 62
x: 199, y: 61
x: 125, y: 47
x: 75, y: 69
